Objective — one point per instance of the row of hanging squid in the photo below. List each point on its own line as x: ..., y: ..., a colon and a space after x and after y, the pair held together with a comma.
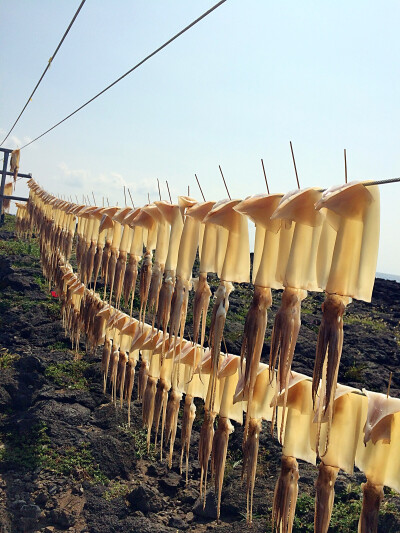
x: 305, y: 241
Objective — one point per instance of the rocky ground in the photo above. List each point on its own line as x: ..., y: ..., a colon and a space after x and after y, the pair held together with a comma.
x: 68, y: 461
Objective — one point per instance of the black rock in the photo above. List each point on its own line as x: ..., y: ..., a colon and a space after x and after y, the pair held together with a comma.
x: 146, y: 499
x: 31, y: 511
x: 62, y: 519
x: 170, y: 483
x: 210, y: 508
x: 178, y: 523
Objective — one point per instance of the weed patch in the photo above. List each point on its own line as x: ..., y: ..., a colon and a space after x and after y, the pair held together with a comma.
x: 7, y: 358
x: 69, y: 374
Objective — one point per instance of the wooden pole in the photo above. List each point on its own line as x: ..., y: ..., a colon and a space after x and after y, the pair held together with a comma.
x: 129, y: 192
x: 294, y: 163
x: 265, y: 176
x: 345, y: 166
x: 169, y: 192
x: 198, y: 183
x: 159, y: 190
x: 220, y: 169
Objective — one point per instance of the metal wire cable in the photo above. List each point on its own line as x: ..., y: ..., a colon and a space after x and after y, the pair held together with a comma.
x: 130, y: 70
x: 45, y: 70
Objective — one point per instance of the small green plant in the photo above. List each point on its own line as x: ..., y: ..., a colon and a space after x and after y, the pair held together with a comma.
x: 355, y: 372
x: 115, y: 490
x: 7, y: 358
x: 26, y: 450
x: 77, y: 462
x: 69, y: 374
x: 139, y: 437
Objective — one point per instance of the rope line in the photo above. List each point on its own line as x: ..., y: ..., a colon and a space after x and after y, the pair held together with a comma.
x: 130, y: 70
x: 45, y: 70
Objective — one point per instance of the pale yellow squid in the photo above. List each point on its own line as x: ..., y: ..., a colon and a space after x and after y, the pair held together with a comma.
x: 263, y: 394
x: 340, y: 453
x: 195, y: 386
x: 123, y: 217
x: 235, y: 268
x: 207, y: 252
x: 118, y: 220
x: 353, y: 213
x: 296, y: 439
x: 302, y: 274
x: 173, y: 214
x: 107, y: 223
x: 160, y: 257
x: 147, y: 218
x: 135, y: 255
x: 378, y: 454
x: 211, y: 407
x: 228, y: 376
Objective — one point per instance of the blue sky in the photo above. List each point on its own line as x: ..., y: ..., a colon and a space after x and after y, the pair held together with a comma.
x: 239, y: 86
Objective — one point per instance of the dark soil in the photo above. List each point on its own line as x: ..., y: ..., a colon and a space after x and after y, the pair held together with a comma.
x: 68, y: 461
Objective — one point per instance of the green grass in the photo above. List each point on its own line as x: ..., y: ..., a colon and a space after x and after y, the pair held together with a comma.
x: 33, y: 449
x: 25, y: 451
x: 368, y: 323
x: 7, y: 358
x: 139, y: 437
x: 69, y: 374
x: 115, y: 490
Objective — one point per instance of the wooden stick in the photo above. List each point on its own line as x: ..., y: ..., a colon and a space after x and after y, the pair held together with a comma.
x: 390, y: 382
x: 107, y: 201
x: 198, y: 183
x: 188, y: 191
x: 294, y: 163
x: 265, y: 176
x: 220, y: 169
x: 94, y: 199
x: 133, y: 205
x: 76, y: 196
x: 102, y: 202
x: 125, y: 194
x: 159, y: 190
x: 148, y: 196
x: 345, y: 166
x: 88, y: 199
x: 170, y: 199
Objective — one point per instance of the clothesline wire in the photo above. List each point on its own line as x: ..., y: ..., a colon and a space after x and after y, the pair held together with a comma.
x: 184, y: 30
x: 45, y: 70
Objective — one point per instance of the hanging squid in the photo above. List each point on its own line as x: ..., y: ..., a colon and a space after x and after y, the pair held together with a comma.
x: 377, y: 454
x: 340, y: 453
x: 353, y: 212
x: 14, y: 163
x: 228, y: 375
x: 297, y: 444
x: 302, y: 274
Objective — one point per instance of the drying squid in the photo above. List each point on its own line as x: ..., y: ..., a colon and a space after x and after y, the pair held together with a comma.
x: 148, y: 219
x: 173, y: 214
x: 229, y: 374
x: 297, y: 444
x: 260, y: 409
x: 353, y: 211
x: 160, y: 256
x: 340, y: 453
x: 235, y: 268
x: 377, y: 454
x: 14, y: 163
x: 122, y: 217
x: 135, y: 254
x: 301, y: 274
x: 211, y: 407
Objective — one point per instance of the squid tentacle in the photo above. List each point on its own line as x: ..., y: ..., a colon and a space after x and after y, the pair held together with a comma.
x: 325, y: 495
x: 285, y: 495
